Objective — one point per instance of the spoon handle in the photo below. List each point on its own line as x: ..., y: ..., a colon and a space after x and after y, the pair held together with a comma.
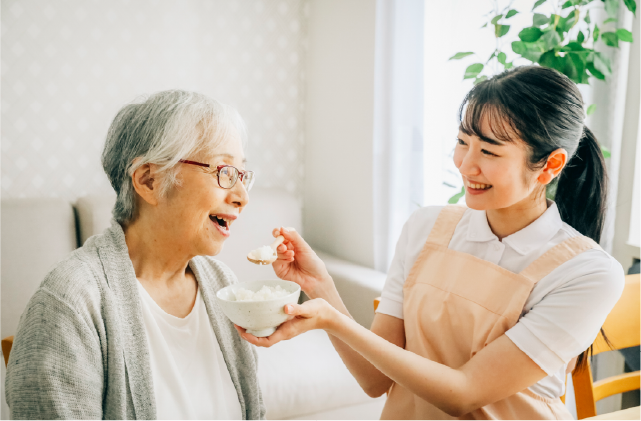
x: 277, y: 242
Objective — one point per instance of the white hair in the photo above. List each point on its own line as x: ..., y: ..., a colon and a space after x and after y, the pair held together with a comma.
x: 162, y: 129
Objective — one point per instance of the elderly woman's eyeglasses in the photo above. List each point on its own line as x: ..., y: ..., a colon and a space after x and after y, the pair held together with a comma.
x: 226, y: 174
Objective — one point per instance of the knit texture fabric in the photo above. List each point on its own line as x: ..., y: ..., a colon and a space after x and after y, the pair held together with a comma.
x: 81, y: 351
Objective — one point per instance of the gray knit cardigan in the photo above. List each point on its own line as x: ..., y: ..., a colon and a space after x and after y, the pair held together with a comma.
x: 81, y: 349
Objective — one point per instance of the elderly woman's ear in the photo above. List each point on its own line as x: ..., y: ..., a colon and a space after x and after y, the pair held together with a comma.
x: 146, y: 182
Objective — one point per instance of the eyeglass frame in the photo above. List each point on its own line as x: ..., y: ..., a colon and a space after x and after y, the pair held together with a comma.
x: 241, y: 174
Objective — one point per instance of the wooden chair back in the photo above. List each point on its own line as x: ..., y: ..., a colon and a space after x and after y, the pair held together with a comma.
x: 622, y: 328
x: 7, y: 343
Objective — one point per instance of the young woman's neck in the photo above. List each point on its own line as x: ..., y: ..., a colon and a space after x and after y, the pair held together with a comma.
x: 507, y: 221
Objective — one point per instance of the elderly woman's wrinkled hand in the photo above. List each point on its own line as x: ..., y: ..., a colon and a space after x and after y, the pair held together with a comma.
x: 312, y: 314
x: 297, y: 262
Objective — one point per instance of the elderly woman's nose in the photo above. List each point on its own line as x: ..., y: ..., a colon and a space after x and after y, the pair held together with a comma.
x: 239, y: 195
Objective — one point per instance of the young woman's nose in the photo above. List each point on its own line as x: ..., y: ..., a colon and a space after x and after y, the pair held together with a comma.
x: 468, y: 165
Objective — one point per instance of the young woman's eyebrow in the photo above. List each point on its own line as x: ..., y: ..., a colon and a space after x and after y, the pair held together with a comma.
x: 491, y: 141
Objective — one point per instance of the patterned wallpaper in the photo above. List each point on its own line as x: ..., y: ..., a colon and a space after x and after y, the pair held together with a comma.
x: 69, y: 65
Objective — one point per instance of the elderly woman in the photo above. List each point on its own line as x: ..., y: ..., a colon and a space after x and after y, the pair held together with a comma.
x: 127, y: 326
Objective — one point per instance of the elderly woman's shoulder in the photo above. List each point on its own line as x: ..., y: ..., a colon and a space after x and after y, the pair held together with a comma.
x: 74, y: 280
x: 212, y: 270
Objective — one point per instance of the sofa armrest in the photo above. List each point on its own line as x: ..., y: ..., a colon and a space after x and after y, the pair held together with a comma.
x: 357, y: 285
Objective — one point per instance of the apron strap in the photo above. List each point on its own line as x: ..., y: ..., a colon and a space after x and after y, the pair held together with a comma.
x: 556, y: 256
x: 445, y: 224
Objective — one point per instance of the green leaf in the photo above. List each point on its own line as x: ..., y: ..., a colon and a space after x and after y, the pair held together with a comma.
x: 538, y: 3
x: 551, y: 60
x: 484, y: 25
x: 567, y: 4
x: 631, y: 5
x: 454, y: 199
x: 509, y: 65
x: 602, y: 64
x: 609, y: 20
x: 501, y: 30
x: 587, y: 18
x: 501, y: 58
x: 551, y: 39
x: 511, y: 13
x: 496, y: 19
x: 580, y: 38
x: 480, y: 79
x: 605, y: 151
x: 459, y: 56
x: 539, y: 20
x: 473, y: 70
x: 569, y: 21
x: 624, y: 35
x: 591, y: 109
x: 595, y: 36
x: 530, y: 34
x: 594, y: 72
x: 612, y: 8
x: 610, y: 38
x: 570, y: 69
x: 529, y: 51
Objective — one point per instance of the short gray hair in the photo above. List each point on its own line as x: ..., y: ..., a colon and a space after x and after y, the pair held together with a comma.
x: 162, y: 129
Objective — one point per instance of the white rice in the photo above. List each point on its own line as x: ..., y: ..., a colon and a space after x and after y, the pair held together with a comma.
x: 265, y: 293
x: 263, y: 253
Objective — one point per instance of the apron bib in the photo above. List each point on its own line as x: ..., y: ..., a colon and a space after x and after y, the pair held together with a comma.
x: 455, y: 304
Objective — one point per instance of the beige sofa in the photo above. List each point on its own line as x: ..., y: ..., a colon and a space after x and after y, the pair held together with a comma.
x: 301, y: 379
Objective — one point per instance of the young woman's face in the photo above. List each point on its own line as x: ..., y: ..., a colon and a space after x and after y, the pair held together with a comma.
x: 494, y: 172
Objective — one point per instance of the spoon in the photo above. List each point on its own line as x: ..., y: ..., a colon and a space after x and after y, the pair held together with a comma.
x: 277, y: 242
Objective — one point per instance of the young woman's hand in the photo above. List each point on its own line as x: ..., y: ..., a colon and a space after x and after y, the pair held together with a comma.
x: 312, y: 314
x: 297, y: 262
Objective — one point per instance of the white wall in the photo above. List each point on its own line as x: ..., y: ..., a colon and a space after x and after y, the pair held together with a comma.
x: 68, y: 66
x: 338, y: 194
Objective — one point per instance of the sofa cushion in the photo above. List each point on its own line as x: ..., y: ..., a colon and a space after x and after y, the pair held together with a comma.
x: 36, y: 234
x: 305, y: 375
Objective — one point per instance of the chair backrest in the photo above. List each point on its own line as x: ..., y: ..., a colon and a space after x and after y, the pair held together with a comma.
x: 36, y: 235
x: 7, y: 343
x: 622, y: 330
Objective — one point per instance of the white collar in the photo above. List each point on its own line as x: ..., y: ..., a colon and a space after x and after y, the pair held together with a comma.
x: 534, y: 236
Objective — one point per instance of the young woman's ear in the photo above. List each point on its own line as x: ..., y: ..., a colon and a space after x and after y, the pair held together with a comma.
x: 146, y: 183
x: 555, y: 163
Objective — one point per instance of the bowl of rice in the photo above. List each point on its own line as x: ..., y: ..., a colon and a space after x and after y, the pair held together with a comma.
x: 258, y: 306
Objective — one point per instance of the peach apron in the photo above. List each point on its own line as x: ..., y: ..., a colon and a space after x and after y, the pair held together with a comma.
x: 455, y: 304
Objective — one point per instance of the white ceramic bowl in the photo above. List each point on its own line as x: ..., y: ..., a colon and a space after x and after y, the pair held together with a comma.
x: 260, y: 318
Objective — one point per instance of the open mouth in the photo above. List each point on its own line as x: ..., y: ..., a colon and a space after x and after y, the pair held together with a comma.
x: 222, y: 223
x: 478, y: 186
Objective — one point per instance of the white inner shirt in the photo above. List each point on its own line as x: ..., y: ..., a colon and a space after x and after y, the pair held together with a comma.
x: 191, y: 380
x: 564, y: 311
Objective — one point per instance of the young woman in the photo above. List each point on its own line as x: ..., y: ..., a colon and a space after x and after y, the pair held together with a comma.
x: 484, y: 307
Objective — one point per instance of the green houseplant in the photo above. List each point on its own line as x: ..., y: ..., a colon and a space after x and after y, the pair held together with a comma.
x: 564, y: 40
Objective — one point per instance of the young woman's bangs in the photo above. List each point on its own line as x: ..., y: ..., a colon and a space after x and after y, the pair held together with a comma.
x: 499, y: 123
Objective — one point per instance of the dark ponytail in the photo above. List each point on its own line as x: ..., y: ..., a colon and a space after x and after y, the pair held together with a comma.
x: 544, y: 109
x: 581, y: 192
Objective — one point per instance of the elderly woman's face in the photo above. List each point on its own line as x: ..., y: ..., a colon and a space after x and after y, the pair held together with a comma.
x: 198, y: 204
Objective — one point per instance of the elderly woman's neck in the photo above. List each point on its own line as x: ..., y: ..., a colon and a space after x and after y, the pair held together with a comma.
x: 154, y: 252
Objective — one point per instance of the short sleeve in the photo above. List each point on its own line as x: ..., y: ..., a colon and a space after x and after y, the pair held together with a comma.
x: 568, y: 319
x: 409, y: 245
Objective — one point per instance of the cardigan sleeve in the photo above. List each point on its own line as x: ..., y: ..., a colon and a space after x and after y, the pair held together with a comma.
x: 55, y: 368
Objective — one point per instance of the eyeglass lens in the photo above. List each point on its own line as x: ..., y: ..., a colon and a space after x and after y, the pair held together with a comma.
x: 227, y: 177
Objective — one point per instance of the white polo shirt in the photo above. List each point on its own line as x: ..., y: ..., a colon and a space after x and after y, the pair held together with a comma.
x: 565, y: 310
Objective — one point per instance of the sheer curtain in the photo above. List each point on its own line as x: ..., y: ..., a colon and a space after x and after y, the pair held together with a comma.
x: 398, y: 121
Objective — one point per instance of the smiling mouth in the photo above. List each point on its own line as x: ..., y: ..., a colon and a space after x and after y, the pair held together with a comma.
x: 477, y: 186
x: 221, y: 222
